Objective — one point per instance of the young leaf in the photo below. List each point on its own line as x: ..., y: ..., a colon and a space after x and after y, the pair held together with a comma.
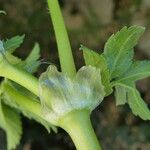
x: 94, y: 59
x: 30, y: 64
x: 137, y: 71
x: 32, y: 61
x: 118, y: 50
x: 121, y: 95
x: 10, y: 121
x: 10, y: 45
x: 11, y: 58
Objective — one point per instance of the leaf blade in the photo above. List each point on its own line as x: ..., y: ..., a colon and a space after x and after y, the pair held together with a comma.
x: 134, y: 100
x: 94, y: 59
x: 121, y: 95
x: 10, y: 121
x: 137, y: 104
x: 118, y: 49
x: 32, y: 61
x: 137, y: 71
x: 10, y: 45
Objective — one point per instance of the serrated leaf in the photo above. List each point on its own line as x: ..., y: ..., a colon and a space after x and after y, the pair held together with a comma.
x: 137, y: 104
x: 32, y: 61
x: 134, y: 100
x: 10, y: 121
x: 94, y: 59
x: 10, y: 45
x: 118, y: 49
x: 5, y: 54
x: 30, y: 64
x: 120, y: 95
x: 137, y: 71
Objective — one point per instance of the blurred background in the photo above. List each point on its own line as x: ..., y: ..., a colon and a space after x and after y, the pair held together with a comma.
x: 89, y: 22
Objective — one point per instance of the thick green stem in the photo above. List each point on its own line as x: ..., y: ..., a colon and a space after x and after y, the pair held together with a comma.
x: 24, y: 102
x: 64, y: 48
x: 19, y: 76
x: 78, y: 126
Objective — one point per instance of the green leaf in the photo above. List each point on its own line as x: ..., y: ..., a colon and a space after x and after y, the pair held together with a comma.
x: 118, y: 50
x: 121, y: 95
x: 10, y: 121
x: 30, y: 64
x: 137, y: 71
x: 94, y: 59
x: 11, y: 58
x: 133, y: 98
x: 137, y: 105
x: 32, y: 61
x: 10, y: 45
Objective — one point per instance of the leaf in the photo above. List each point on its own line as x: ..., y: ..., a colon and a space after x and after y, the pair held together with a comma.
x: 94, y: 59
x: 118, y: 50
x: 137, y: 71
x: 10, y: 121
x: 10, y: 45
x: 32, y: 62
x: 121, y: 95
x: 5, y: 54
x: 136, y: 103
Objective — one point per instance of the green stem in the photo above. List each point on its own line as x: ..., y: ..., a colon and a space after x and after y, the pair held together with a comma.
x: 78, y: 126
x: 19, y: 76
x: 64, y: 48
x: 27, y: 105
